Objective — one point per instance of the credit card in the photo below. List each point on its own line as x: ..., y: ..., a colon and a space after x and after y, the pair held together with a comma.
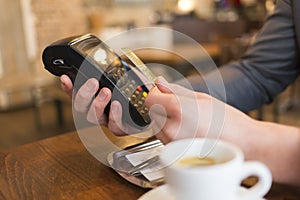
x: 140, y: 65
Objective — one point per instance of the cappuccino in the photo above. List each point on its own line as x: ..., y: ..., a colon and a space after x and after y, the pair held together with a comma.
x: 197, y: 161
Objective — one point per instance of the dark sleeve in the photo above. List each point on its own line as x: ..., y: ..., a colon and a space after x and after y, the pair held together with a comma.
x: 267, y: 68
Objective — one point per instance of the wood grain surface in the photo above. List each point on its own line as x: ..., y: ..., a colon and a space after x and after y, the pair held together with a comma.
x: 62, y: 168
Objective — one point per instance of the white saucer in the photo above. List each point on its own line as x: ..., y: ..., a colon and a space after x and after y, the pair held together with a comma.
x: 158, y: 193
x: 163, y: 193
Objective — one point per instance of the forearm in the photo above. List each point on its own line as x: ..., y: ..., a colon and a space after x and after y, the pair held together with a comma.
x: 278, y: 146
x: 234, y: 87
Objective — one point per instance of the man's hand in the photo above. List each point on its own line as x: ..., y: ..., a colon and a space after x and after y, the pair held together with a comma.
x: 182, y: 113
x: 93, y: 106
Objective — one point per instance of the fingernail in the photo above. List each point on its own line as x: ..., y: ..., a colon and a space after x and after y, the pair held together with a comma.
x: 102, y: 95
x: 63, y: 81
x: 114, y: 109
x: 63, y: 85
x: 153, y: 90
x: 90, y: 85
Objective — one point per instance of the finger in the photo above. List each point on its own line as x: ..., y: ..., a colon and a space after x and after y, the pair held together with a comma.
x: 85, y: 94
x: 168, y: 133
x: 178, y: 90
x: 115, y: 123
x: 163, y: 85
x: 164, y: 128
x: 96, y: 112
x: 173, y: 130
x: 157, y: 124
x: 167, y: 101
x: 66, y: 84
x: 163, y: 138
x: 158, y: 117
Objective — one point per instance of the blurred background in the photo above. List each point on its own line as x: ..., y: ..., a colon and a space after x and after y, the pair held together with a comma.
x: 32, y: 105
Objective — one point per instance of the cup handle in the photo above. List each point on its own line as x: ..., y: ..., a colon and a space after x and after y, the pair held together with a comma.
x: 264, y: 183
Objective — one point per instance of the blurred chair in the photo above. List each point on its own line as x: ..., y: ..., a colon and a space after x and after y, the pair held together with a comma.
x: 206, y: 31
x: 28, y: 90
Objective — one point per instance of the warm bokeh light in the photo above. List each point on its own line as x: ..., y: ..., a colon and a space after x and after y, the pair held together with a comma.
x: 270, y: 6
x: 186, y: 5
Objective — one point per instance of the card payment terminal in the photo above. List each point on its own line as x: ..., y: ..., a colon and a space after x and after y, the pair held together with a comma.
x: 86, y: 56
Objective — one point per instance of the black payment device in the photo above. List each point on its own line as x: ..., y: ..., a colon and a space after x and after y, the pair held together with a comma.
x: 86, y: 56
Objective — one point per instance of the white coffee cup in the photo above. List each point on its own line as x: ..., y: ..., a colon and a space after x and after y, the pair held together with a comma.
x: 214, y: 182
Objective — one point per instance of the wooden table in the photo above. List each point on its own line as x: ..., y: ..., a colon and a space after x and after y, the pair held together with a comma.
x: 62, y: 168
